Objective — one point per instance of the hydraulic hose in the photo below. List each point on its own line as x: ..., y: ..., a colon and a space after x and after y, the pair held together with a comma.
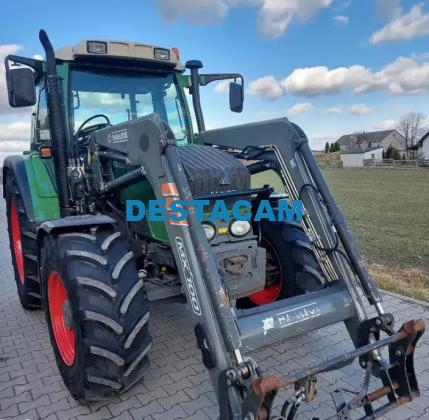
x: 368, y: 284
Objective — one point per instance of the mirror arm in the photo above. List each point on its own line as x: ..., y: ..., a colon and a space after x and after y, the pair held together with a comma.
x: 205, y: 79
x: 36, y: 65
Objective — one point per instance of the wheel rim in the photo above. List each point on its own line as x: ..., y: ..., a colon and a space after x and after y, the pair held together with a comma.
x: 272, y: 291
x: 16, y: 240
x: 64, y: 335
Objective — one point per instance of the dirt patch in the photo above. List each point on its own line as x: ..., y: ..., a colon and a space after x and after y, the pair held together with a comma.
x: 412, y: 282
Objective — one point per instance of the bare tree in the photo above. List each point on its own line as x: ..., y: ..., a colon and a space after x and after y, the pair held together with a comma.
x: 412, y: 127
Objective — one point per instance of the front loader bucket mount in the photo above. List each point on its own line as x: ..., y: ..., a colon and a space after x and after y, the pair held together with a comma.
x: 397, y: 375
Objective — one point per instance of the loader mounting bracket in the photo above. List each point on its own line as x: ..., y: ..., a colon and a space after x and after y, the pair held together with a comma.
x: 397, y: 376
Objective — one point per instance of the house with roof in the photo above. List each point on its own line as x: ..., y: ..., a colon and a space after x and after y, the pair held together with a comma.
x: 356, y: 158
x: 422, y: 147
x: 371, y: 139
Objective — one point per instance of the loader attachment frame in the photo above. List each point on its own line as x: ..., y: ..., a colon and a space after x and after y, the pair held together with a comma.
x: 398, y: 379
x: 224, y: 333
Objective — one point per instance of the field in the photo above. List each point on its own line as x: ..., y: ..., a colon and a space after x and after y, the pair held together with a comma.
x: 388, y: 212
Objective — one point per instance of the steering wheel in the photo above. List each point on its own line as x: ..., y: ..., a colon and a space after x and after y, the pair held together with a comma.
x: 93, y: 127
x: 82, y: 132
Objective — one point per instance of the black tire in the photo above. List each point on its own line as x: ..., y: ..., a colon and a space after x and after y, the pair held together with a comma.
x: 27, y: 282
x: 107, y: 311
x: 302, y: 272
x: 291, y: 262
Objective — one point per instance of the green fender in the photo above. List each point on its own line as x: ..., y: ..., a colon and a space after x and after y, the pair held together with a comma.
x: 36, y: 186
x: 41, y: 181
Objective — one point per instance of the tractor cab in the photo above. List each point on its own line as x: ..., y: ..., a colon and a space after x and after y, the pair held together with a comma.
x: 117, y: 82
x: 124, y: 81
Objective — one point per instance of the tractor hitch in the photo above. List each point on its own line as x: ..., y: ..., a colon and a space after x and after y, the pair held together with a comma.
x: 398, y: 378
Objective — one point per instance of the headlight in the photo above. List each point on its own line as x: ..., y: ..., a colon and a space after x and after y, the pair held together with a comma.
x: 209, y: 230
x: 96, y: 47
x: 161, y: 54
x: 239, y: 227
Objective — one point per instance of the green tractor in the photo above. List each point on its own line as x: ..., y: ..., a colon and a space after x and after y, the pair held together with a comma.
x: 111, y: 125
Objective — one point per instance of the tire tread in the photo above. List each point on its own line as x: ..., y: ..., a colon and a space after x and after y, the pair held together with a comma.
x: 111, y: 314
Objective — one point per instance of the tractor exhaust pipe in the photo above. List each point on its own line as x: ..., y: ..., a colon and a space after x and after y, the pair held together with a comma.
x: 194, y: 66
x: 57, y: 124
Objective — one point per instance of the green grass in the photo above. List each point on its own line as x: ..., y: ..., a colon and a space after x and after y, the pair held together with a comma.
x: 388, y: 213
x: 386, y: 209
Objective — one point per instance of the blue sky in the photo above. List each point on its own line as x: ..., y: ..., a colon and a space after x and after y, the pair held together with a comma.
x: 332, y: 66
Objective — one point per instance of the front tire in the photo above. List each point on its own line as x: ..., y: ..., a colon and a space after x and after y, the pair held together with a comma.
x: 96, y: 312
x: 292, y: 267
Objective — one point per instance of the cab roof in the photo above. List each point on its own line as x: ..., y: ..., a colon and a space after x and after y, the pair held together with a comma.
x: 94, y: 50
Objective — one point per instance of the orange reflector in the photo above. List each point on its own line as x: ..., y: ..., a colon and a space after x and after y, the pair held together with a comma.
x: 169, y: 189
x: 170, y: 192
x: 45, y: 152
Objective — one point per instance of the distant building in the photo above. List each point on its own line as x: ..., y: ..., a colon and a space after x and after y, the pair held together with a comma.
x: 355, y: 158
x: 422, y: 147
x: 371, y: 139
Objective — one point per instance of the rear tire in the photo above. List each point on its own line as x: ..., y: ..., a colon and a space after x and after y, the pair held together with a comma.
x: 105, y: 339
x: 23, y: 248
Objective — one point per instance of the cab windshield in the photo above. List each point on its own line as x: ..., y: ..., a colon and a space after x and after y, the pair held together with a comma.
x: 123, y: 96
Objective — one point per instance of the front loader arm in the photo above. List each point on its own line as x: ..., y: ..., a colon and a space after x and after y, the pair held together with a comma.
x: 223, y: 333
x: 216, y: 330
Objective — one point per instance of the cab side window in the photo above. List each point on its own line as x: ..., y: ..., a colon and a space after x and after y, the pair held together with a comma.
x: 42, y: 122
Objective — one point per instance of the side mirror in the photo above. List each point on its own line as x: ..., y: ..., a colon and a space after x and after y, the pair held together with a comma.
x: 236, y: 97
x: 21, y: 87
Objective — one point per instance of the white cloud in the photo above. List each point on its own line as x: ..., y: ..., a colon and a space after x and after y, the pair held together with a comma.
x: 341, y: 19
x: 6, y: 49
x: 413, y: 24
x: 360, y: 109
x: 274, y: 16
x: 315, y: 81
x: 14, y: 138
x: 222, y: 86
x: 14, y: 132
x: 335, y: 110
x: 405, y: 75
x: 267, y: 87
x: 12, y: 147
x: 38, y: 57
x: 299, y: 108
x: 386, y: 125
